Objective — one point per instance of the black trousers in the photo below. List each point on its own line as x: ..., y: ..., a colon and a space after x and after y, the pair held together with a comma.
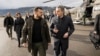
x: 99, y: 39
x: 60, y: 46
x: 18, y: 38
x: 18, y: 41
x: 38, y: 48
x: 9, y: 31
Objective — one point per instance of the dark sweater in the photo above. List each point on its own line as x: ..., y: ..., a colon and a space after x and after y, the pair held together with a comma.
x: 36, y: 35
x: 8, y: 21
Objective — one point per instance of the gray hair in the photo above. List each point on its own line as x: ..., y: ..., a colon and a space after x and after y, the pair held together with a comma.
x: 61, y: 7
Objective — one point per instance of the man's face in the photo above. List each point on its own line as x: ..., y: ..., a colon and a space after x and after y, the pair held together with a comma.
x: 59, y: 12
x: 27, y: 14
x: 8, y: 14
x: 18, y: 15
x: 39, y: 13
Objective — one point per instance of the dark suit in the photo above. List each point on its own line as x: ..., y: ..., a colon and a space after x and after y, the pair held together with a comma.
x: 64, y: 25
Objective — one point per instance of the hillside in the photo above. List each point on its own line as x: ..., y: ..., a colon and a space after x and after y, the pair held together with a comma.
x: 24, y: 10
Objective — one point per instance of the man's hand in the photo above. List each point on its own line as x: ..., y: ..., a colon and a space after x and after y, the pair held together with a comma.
x: 25, y: 45
x: 55, y: 30
x: 49, y: 44
x: 66, y: 35
x: 95, y: 32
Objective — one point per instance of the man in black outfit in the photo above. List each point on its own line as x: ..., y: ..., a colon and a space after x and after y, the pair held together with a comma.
x: 38, y: 33
x: 97, y: 29
x: 18, y: 26
x: 61, y: 28
x: 8, y: 24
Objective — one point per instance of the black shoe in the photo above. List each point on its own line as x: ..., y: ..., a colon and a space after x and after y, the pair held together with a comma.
x: 9, y: 36
x: 97, y: 47
x: 19, y: 46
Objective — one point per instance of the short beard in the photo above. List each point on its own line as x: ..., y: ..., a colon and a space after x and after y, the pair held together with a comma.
x: 39, y: 17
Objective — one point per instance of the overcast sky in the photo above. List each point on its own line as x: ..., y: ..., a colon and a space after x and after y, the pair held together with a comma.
x: 9, y: 4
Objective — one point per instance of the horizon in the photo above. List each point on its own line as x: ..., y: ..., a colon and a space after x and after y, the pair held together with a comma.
x: 29, y: 7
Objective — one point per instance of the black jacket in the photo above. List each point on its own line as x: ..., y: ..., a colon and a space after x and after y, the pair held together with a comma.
x: 63, y: 25
x: 18, y: 25
x: 8, y: 21
x: 29, y: 24
x: 97, y: 24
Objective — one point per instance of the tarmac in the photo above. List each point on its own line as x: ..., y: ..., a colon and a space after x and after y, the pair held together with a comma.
x: 79, y: 43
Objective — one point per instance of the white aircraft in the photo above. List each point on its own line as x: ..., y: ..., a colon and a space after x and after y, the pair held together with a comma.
x: 80, y: 12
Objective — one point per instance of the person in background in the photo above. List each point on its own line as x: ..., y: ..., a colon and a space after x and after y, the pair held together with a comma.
x: 18, y: 25
x: 52, y: 15
x: 97, y: 27
x: 27, y: 16
x: 88, y: 10
x: 67, y: 12
x: 8, y: 24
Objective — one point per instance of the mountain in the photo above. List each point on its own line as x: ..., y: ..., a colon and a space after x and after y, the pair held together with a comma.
x: 24, y: 10
x: 13, y: 11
